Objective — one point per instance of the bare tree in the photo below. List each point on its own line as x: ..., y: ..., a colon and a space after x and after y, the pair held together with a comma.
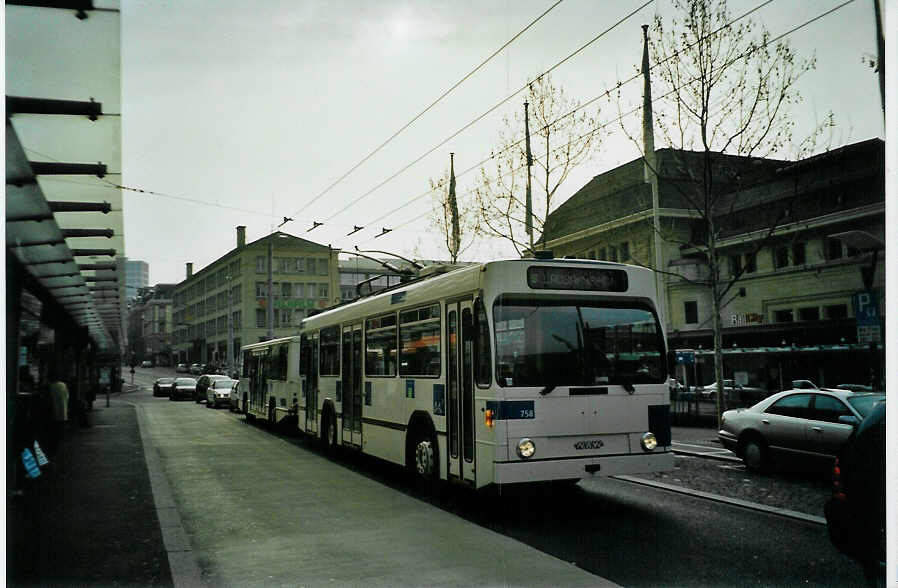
x: 563, y: 136
x: 725, y: 91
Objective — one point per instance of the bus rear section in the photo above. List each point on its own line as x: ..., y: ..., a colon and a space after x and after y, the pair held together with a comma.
x: 580, y: 387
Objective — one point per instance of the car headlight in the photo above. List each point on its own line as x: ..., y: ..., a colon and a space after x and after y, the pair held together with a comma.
x: 649, y: 442
x: 526, y: 448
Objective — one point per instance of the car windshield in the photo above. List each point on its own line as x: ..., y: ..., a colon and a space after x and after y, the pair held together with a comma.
x: 864, y: 404
x: 185, y: 382
x: 223, y: 383
x: 562, y: 343
x: 164, y: 380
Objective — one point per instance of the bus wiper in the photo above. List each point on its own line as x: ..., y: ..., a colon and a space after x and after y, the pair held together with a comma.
x: 547, y: 389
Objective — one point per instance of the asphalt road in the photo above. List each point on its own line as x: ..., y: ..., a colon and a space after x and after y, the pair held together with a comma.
x: 242, y: 527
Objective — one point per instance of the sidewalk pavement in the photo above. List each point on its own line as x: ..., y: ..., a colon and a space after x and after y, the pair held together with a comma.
x: 89, y: 519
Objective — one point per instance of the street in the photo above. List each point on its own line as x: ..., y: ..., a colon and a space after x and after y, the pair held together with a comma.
x: 254, y: 515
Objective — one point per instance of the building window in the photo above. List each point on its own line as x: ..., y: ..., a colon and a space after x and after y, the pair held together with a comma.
x: 260, y: 264
x: 310, y: 265
x: 261, y: 289
x: 286, y: 289
x: 836, y: 311
x: 322, y: 267
x: 612, y: 253
x: 809, y: 313
x: 322, y: 291
x: 300, y: 264
x: 591, y: 254
x: 751, y: 263
x: 261, y: 321
x: 798, y: 257
x: 735, y: 265
x: 782, y: 316
x: 299, y: 290
x: 602, y: 254
x: 833, y: 249
x: 624, y: 251
x: 690, y: 307
x: 781, y: 257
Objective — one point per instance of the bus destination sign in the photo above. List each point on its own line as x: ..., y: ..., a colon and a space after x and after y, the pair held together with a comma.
x: 576, y: 278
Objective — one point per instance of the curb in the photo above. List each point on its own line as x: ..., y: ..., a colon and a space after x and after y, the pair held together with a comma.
x: 783, y: 512
x: 707, y: 455
x: 181, y: 560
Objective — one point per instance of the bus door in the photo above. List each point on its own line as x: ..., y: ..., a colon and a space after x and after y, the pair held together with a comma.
x: 309, y: 353
x: 352, y: 385
x: 460, y: 387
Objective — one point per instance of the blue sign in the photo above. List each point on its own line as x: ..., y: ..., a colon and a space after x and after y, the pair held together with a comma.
x: 866, y: 309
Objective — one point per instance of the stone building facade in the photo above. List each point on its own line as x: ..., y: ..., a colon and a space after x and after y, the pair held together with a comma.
x: 805, y: 238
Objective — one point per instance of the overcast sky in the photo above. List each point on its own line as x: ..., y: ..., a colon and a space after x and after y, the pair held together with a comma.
x: 241, y: 113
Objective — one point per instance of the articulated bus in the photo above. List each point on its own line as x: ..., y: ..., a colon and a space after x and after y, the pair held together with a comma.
x: 503, y: 372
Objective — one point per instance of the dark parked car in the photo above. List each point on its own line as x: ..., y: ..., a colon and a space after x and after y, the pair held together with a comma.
x: 856, y: 512
x: 203, y: 383
x: 182, y: 369
x: 162, y: 386
x: 182, y: 388
x: 196, y: 369
x: 804, y: 423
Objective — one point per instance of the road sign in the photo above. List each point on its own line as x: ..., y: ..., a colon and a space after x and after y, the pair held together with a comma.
x: 866, y: 309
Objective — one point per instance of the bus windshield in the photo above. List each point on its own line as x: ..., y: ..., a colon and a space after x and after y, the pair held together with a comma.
x: 565, y: 343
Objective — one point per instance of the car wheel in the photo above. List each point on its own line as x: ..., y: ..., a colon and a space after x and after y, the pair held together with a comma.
x: 754, y: 454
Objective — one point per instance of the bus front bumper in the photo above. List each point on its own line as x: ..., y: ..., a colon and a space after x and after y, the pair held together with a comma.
x: 583, y: 468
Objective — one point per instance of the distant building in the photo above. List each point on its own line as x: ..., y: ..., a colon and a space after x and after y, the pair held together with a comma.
x: 305, y: 278
x: 137, y: 276
x: 792, y: 314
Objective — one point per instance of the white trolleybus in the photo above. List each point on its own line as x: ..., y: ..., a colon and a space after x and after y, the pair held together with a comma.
x: 505, y: 372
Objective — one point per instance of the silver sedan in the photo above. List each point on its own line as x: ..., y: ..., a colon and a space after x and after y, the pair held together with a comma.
x: 809, y: 423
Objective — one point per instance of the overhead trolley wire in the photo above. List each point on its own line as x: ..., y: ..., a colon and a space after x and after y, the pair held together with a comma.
x: 580, y: 107
x: 493, y: 108
x: 431, y: 105
x: 633, y: 110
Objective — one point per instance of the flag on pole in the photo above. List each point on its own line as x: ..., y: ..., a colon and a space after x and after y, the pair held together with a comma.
x: 454, y: 241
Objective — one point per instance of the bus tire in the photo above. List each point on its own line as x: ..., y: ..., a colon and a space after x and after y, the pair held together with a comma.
x: 328, y: 435
x: 422, y: 454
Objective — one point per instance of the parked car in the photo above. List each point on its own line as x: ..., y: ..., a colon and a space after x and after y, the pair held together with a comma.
x: 855, y: 387
x: 203, y: 382
x: 856, y: 512
x: 182, y: 369
x: 146, y: 363
x: 196, y: 369
x: 746, y: 395
x: 182, y: 388
x: 219, y: 392
x: 162, y: 386
x: 803, y: 385
x: 806, y: 423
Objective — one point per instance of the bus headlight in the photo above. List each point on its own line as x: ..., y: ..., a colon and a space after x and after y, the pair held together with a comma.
x: 526, y: 448
x: 648, y: 441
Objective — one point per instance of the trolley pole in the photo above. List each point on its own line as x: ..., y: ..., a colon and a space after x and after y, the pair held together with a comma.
x: 270, y: 306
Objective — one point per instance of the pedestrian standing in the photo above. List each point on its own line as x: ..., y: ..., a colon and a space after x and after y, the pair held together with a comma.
x: 58, y: 394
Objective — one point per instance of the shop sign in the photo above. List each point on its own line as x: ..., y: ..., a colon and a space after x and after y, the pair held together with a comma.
x: 747, y: 318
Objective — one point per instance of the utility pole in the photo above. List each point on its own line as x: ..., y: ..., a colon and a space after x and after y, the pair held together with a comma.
x: 528, y: 223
